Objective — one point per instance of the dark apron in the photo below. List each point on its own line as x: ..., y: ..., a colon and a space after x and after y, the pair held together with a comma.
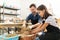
x: 53, y: 33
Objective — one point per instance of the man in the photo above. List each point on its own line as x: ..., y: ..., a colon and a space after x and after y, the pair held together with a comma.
x: 33, y: 17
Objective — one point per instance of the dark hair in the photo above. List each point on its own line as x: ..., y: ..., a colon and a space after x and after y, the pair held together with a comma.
x: 43, y: 7
x: 32, y: 5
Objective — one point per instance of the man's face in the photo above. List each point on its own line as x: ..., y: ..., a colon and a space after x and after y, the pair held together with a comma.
x: 33, y: 9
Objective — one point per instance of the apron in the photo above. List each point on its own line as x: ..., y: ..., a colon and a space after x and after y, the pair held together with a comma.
x: 53, y: 33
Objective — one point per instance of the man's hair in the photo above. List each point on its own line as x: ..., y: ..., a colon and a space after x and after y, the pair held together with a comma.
x: 32, y: 5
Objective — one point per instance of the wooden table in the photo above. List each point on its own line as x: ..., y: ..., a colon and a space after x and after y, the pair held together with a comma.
x: 2, y: 25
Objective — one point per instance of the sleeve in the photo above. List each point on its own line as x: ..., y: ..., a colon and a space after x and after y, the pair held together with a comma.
x: 48, y: 20
x: 28, y: 18
x: 51, y: 20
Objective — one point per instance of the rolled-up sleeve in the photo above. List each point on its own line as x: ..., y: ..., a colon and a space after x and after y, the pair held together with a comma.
x: 51, y: 20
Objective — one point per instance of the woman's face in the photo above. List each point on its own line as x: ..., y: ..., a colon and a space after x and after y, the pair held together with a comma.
x: 41, y: 12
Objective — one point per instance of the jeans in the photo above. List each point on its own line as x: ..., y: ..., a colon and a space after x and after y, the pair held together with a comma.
x: 37, y: 38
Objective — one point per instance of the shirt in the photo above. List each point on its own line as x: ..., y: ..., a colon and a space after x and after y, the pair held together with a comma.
x: 51, y: 20
x: 34, y: 19
x: 53, y: 26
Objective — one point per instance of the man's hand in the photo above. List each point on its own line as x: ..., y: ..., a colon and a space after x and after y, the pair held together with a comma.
x: 31, y: 26
x: 24, y: 23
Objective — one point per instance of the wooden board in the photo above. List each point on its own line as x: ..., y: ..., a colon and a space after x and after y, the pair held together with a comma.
x: 2, y: 25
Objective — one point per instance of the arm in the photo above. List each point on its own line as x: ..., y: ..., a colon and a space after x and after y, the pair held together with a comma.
x: 47, y: 22
x: 40, y: 28
x: 34, y: 26
x: 44, y: 26
x: 39, y: 22
x: 27, y: 19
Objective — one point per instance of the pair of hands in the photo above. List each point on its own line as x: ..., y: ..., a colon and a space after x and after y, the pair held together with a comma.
x: 35, y: 30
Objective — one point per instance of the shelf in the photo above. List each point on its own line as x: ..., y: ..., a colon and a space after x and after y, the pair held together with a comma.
x: 9, y: 14
x: 2, y: 25
x: 1, y: 20
x: 9, y: 8
x: 10, y: 24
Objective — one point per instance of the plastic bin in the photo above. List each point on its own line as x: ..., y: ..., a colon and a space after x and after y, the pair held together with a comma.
x: 9, y: 38
x: 1, y: 37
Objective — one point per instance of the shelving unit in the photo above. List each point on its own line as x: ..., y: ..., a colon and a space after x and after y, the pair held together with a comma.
x: 8, y: 8
x: 3, y: 14
x: 9, y: 14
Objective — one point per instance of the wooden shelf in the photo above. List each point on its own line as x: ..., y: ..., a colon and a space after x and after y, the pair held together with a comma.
x: 2, y: 25
x: 9, y: 14
x: 1, y: 20
x: 10, y: 24
x: 9, y: 8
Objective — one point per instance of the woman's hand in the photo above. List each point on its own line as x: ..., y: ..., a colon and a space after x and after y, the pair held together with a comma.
x: 35, y: 31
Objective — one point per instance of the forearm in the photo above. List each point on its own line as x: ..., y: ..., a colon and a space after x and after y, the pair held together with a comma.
x: 43, y: 27
x: 36, y: 30
x: 40, y: 28
x: 36, y: 25
x: 24, y: 23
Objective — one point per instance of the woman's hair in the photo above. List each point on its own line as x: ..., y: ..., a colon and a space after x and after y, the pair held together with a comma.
x: 46, y: 14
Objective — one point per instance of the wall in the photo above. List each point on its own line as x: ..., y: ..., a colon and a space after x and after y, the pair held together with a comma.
x: 52, y: 5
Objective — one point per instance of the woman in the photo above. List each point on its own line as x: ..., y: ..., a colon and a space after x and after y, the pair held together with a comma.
x: 53, y: 32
